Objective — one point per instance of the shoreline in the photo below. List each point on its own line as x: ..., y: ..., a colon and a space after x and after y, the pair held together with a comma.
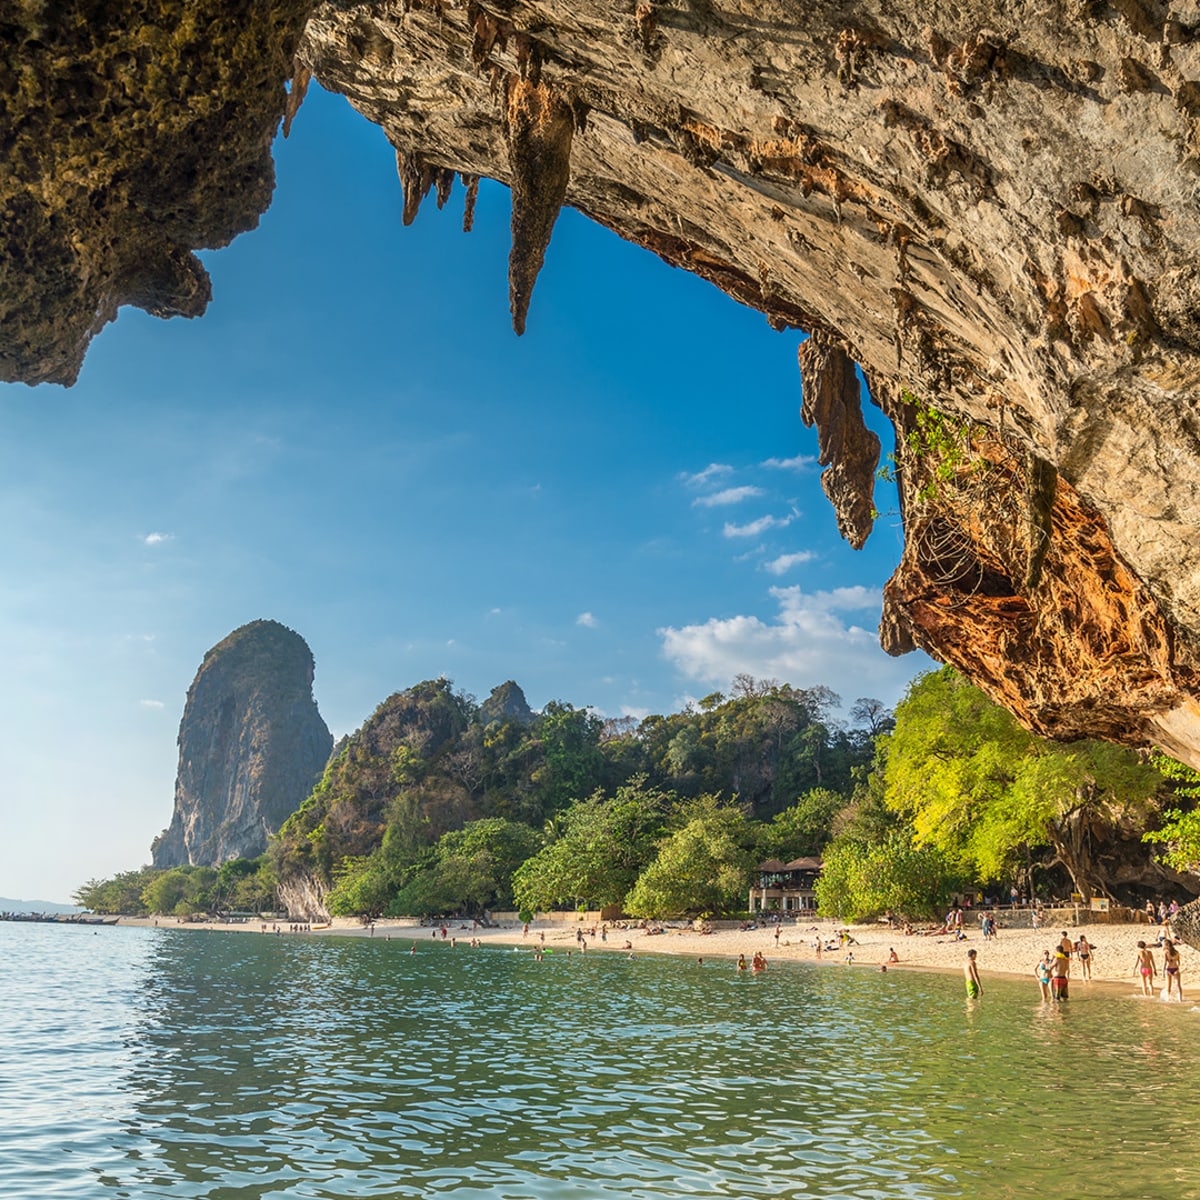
x: 1013, y: 953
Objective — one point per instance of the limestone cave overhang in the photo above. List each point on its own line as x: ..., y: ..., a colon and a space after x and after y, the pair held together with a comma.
x: 990, y: 208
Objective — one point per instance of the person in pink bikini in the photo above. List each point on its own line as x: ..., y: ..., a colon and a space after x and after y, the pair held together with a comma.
x: 1143, y: 965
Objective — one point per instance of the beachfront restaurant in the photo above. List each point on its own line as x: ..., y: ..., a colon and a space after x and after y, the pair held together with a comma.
x: 786, y: 887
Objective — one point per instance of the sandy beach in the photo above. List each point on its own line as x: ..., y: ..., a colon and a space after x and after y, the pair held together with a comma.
x: 1013, y: 952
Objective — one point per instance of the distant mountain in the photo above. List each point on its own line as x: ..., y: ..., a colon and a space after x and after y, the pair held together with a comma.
x: 35, y: 906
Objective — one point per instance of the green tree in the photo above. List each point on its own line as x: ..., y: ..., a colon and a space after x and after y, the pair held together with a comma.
x: 701, y: 867
x: 121, y: 893
x: 861, y: 880
x: 1179, y: 832
x: 597, y: 860
x: 470, y: 870
x: 981, y: 789
x: 804, y: 828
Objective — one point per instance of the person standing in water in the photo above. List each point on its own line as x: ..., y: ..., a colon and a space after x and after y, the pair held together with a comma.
x: 1060, y: 971
x: 1143, y: 965
x: 971, y: 975
x: 1083, y: 952
x: 1171, y: 969
x: 1043, y: 972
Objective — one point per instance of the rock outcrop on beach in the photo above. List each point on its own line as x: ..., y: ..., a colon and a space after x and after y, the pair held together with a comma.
x: 251, y: 746
x: 990, y: 208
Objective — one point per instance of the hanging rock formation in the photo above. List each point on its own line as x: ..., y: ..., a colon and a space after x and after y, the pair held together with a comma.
x: 251, y: 746
x: 990, y: 207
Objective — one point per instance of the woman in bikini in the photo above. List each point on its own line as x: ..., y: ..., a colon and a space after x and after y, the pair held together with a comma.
x: 1171, y: 969
x: 1083, y: 952
x: 1042, y: 971
x: 1143, y: 965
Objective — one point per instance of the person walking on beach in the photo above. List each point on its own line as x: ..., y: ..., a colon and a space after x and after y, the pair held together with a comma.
x: 1043, y: 972
x: 1171, y: 969
x: 971, y: 975
x: 1143, y: 965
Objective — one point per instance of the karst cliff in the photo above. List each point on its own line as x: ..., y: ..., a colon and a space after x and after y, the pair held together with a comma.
x: 251, y: 746
x: 990, y: 208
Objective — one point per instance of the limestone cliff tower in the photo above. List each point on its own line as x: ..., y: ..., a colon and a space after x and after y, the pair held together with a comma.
x: 251, y: 746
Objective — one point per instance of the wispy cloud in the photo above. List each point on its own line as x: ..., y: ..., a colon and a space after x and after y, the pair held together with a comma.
x: 157, y: 539
x: 810, y: 641
x: 707, y: 477
x: 634, y: 710
x: 785, y: 562
x: 586, y: 620
x: 733, y: 495
x: 799, y: 464
x: 151, y: 704
x: 754, y: 528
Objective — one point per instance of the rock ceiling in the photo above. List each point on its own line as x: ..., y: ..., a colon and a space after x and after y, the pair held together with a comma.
x: 991, y: 208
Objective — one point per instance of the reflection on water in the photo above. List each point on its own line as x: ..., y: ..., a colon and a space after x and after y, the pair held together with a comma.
x: 156, y: 1063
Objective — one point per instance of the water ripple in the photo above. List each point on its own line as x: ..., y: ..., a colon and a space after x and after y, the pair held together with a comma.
x: 180, y: 1066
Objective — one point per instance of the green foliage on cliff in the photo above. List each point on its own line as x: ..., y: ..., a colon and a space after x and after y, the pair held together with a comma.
x: 430, y: 762
x: 440, y: 805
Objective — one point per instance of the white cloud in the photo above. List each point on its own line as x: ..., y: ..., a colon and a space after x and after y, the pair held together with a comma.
x: 785, y: 562
x: 806, y: 644
x: 151, y: 704
x: 710, y: 474
x: 733, y: 495
x: 799, y: 464
x: 157, y: 539
x: 754, y: 528
x: 586, y: 620
x: 635, y: 711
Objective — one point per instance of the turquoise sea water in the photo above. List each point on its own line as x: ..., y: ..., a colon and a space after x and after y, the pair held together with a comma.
x: 159, y: 1063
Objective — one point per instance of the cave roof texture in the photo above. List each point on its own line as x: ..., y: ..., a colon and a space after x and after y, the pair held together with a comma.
x: 989, y: 207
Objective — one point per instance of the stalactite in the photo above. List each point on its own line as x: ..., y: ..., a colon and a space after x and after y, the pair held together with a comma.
x: 539, y: 126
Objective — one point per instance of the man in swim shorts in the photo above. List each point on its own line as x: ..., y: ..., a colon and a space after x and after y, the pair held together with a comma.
x: 1060, y: 967
x: 971, y: 975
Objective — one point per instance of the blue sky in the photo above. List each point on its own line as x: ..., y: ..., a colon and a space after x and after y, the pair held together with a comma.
x: 620, y: 509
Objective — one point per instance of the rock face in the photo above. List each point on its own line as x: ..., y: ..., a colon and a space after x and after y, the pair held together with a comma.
x: 131, y: 135
x: 251, y: 746
x: 506, y: 703
x: 989, y: 207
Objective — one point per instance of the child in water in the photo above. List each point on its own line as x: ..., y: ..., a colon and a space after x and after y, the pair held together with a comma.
x: 971, y: 975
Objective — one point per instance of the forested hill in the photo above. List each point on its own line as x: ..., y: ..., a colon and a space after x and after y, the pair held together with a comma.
x: 438, y: 804
x: 430, y: 761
